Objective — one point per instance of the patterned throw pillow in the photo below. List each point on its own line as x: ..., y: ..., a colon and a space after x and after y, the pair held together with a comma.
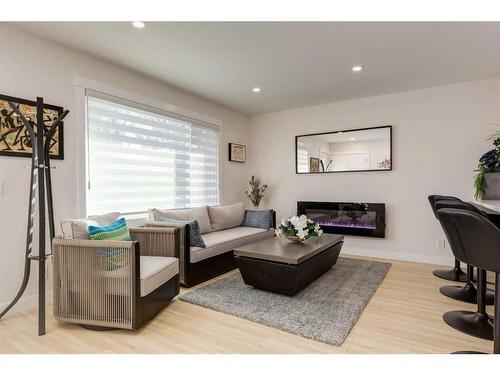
x: 195, y: 238
x: 111, y: 259
x: 258, y: 219
x: 117, y: 231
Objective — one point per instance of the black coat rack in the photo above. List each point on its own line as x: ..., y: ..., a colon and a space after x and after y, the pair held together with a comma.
x: 41, y: 185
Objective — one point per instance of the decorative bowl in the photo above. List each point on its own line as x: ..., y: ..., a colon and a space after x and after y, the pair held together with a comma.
x: 296, y: 239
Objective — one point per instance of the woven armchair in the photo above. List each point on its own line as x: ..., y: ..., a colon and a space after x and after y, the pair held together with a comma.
x: 116, y: 284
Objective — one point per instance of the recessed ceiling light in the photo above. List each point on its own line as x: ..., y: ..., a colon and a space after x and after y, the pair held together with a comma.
x: 139, y: 24
x: 256, y: 90
x: 357, y: 68
x: 352, y: 138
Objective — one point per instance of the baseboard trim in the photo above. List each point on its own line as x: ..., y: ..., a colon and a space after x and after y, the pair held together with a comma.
x: 438, y: 260
x: 26, y: 303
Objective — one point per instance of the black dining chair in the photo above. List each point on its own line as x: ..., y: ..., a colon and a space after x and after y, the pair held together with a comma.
x: 474, y: 240
x: 468, y: 292
x: 455, y: 274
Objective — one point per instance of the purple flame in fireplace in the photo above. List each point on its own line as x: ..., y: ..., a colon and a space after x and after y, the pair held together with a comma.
x: 345, y: 224
x: 343, y: 218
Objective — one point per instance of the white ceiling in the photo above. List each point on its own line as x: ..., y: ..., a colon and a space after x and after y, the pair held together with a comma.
x: 295, y: 64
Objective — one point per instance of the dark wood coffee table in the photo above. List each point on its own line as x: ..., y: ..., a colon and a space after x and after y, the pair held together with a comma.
x: 287, y: 267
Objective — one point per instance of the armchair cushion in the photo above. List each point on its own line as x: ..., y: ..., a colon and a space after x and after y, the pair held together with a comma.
x: 226, y: 217
x: 200, y: 214
x: 156, y: 271
x: 258, y: 219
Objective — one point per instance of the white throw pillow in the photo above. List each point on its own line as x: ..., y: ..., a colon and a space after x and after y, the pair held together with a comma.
x: 106, y: 219
x: 200, y: 214
x: 77, y: 229
x: 225, y: 217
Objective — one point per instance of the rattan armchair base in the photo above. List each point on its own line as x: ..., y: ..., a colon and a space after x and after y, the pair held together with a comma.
x: 97, y: 328
x: 148, y: 306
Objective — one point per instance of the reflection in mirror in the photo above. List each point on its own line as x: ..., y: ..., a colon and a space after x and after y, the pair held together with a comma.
x: 350, y: 150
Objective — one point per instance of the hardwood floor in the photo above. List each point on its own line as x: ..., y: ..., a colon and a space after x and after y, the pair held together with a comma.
x: 404, y: 316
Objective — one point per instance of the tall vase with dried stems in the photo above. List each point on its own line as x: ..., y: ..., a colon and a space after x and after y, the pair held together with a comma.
x: 256, y: 192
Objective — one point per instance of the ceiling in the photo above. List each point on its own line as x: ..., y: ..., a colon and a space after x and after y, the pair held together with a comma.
x: 295, y: 64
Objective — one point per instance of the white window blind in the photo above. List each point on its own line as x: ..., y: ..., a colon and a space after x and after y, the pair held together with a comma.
x: 302, y: 161
x: 140, y: 159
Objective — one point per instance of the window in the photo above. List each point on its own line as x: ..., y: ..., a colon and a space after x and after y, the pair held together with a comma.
x: 141, y: 158
x: 302, y: 161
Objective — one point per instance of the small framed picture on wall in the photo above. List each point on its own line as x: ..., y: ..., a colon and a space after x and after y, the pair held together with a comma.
x: 237, y: 153
x: 314, y: 165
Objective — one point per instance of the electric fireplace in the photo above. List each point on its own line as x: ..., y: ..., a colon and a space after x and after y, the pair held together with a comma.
x: 349, y: 218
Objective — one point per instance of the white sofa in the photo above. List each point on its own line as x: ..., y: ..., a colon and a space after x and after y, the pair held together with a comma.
x: 222, y: 241
x: 221, y: 230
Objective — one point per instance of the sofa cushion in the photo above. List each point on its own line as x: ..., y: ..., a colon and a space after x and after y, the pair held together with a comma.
x: 200, y: 214
x: 226, y: 240
x: 258, y: 219
x: 156, y: 271
x: 228, y: 216
x: 73, y: 229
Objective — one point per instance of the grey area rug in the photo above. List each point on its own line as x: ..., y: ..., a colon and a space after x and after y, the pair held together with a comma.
x: 326, y: 310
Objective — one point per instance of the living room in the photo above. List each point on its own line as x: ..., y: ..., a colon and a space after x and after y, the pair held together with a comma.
x: 272, y: 199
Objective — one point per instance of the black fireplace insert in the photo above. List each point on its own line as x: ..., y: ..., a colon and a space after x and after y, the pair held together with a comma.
x: 349, y: 218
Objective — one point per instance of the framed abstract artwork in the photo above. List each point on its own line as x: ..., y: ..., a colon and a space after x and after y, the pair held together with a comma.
x: 237, y: 153
x: 14, y: 137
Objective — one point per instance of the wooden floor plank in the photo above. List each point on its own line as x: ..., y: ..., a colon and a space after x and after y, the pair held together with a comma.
x: 404, y: 316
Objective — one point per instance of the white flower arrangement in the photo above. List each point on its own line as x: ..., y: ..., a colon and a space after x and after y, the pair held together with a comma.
x: 299, y: 227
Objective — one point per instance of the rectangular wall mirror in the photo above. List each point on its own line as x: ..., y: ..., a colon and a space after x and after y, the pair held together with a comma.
x: 355, y: 150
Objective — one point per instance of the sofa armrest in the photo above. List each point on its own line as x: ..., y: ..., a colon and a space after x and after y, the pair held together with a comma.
x: 157, y: 241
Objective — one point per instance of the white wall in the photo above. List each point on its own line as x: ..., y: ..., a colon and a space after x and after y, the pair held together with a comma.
x: 40, y: 68
x: 438, y: 136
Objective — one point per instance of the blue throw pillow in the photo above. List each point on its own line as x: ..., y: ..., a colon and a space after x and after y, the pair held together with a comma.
x: 258, y: 219
x: 194, y: 230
